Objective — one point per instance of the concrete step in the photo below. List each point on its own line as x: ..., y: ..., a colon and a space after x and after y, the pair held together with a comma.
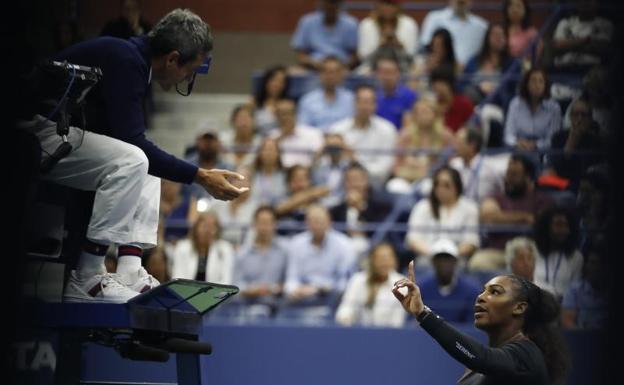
x: 179, y: 119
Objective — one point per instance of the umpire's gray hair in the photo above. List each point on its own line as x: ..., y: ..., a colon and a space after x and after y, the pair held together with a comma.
x: 183, y: 31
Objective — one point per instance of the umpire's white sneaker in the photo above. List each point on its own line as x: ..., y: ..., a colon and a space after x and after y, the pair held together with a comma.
x: 101, y: 288
x: 140, y: 282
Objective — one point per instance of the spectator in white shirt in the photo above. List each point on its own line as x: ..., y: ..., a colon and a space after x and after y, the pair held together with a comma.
x: 371, y: 137
x: 368, y: 300
x: 559, y: 262
x: 582, y: 39
x: 480, y: 177
x: 387, y: 30
x: 203, y: 255
x: 466, y: 28
x: 297, y: 143
x: 446, y: 214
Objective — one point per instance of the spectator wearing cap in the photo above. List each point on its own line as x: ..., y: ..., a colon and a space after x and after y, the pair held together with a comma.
x: 207, y: 153
x: 387, y: 31
x: 371, y: 137
x: 331, y: 102
x: 323, y: 33
x: 446, y: 214
x: 449, y: 293
x: 466, y: 28
x: 516, y: 207
x: 368, y: 300
x: 533, y: 116
x: 394, y: 99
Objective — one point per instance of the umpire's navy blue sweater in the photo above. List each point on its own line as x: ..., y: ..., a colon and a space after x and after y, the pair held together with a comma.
x: 115, y: 105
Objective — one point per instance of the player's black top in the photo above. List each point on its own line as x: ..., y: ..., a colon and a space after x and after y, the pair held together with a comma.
x: 514, y: 363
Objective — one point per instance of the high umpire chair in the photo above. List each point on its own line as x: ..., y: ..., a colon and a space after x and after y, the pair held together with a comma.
x: 166, y: 319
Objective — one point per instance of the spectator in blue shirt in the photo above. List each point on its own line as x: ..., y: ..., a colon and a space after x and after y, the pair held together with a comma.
x: 533, y: 117
x: 330, y: 102
x: 448, y: 292
x: 326, y: 32
x: 466, y: 28
x: 260, y: 266
x: 585, y: 303
x: 393, y: 98
x: 320, y: 259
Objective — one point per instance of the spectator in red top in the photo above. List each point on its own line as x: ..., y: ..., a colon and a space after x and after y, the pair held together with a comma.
x: 456, y: 108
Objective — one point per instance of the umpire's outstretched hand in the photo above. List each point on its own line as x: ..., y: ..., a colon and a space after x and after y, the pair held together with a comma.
x: 217, y: 183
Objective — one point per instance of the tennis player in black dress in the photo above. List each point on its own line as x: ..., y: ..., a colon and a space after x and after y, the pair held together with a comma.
x: 520, y: 320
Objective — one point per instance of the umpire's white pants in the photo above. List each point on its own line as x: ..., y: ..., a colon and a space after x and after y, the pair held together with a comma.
x: 127, y: 199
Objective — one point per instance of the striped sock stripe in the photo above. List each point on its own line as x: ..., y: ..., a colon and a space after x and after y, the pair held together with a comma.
x: 130, y: 250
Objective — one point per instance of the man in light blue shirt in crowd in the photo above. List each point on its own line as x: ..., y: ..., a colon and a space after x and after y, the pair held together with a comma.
x: 326, y: 105
x: 320, y: 259
x: 261, y: 264
x: 326, y: 32
x: 467, y: 29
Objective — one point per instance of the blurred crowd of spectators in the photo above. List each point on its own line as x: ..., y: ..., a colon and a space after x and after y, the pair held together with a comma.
x: 473, y: 146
